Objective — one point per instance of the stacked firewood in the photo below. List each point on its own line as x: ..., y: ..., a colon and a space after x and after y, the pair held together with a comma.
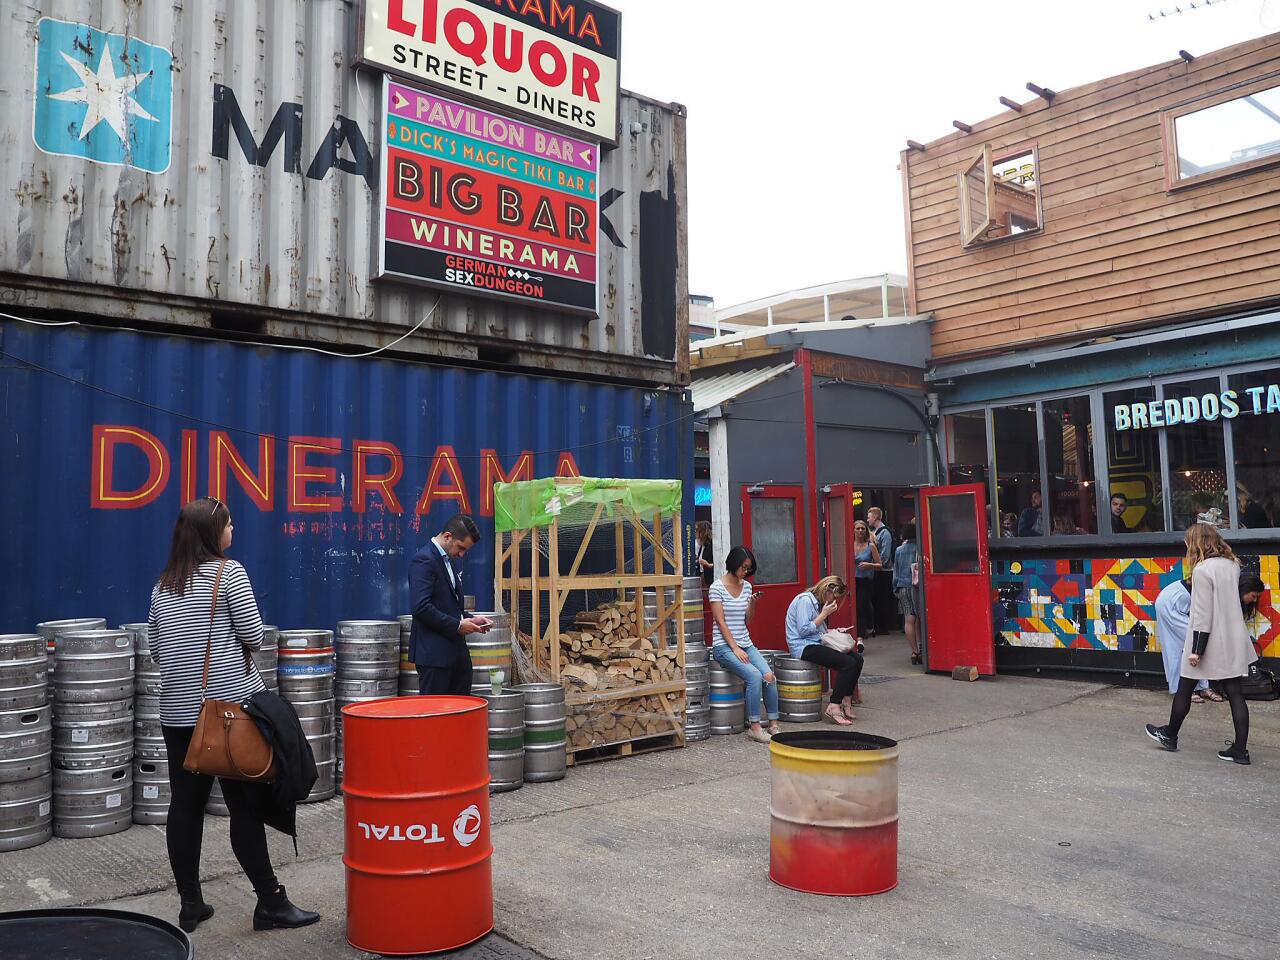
x: 615, y: 721
x: 604, y: 650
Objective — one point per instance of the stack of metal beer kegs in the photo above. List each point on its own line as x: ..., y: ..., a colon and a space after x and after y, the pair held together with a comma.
x: 26, y: 743
x: 368, y: 664
x: 306, y: 672
x: 93, y: 732
x: 150, y: 758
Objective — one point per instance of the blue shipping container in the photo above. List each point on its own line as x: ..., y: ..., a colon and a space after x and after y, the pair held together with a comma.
x: 336, y: 470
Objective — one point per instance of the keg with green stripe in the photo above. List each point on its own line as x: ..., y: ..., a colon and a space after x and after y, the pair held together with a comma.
x: 506, y: 741
x: 490, y: 654
x: 544, y: 732
x: 799, y: 690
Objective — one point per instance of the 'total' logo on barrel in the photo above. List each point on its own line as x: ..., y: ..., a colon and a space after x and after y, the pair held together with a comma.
x: 466, y: 829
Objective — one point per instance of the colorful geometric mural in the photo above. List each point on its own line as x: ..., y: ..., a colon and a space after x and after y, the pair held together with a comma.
x: 1106, y: 604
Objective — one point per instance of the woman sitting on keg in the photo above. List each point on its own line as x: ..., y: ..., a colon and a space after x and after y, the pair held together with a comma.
x: 806, y: 623
x: 733, y: 603
x: 186, y: 615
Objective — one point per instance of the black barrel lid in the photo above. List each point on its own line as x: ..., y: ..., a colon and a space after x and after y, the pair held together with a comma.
x: 79, y: 933
x: 833, y: 740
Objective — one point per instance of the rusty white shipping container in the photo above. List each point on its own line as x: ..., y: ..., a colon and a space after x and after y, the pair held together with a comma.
x: 258, y: 215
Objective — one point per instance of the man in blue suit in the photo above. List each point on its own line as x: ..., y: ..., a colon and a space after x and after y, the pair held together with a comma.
x: 438, y: 644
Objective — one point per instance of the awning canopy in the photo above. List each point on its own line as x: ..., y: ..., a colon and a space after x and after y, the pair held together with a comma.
x: 710, y: 392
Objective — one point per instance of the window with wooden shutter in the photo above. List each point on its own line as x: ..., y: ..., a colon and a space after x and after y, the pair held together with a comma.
x: 1000, y: 196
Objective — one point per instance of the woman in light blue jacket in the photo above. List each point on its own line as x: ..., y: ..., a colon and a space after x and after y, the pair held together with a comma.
x: 806, y: 623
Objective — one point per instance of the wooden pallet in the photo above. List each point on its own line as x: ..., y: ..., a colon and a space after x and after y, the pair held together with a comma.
x: 628, y: 748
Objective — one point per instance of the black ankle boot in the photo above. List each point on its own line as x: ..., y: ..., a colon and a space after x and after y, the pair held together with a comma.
x: 194, y: 910
x: 275, y: 911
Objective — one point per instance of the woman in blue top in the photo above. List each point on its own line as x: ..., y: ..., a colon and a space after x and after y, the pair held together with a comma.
x: 806, y: 623
x: 733, y: 604
x: 866, y: 561
x: 904, y: 558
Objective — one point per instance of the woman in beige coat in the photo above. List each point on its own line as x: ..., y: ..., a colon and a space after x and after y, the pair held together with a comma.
x: 1218, y: 645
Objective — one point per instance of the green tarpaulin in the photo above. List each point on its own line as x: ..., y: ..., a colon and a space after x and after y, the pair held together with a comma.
x: 536, y: 503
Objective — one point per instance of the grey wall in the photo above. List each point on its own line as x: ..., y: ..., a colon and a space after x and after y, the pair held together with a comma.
x: 866, y: 436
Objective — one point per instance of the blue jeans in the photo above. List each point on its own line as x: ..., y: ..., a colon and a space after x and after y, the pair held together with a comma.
x: 753, y: 675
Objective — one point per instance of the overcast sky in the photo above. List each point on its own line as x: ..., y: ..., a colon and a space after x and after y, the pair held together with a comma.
x: 797, y: 110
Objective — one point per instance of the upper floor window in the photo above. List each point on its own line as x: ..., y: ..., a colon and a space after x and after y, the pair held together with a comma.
x: 1000, y: 196
x: 1223, y: 135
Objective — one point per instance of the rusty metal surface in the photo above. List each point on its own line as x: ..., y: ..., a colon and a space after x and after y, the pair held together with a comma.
x: 284, y: 231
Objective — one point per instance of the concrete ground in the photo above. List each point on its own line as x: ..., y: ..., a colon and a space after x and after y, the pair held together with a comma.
x: 1037, y: 821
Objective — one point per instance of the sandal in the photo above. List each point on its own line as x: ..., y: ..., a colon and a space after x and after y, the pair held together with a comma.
x: 774, y: 729
x: 837, y: 716
x: 1213, y: 696
x: 848, y: 712
x: 915, y: 659
x: 1196, y: 698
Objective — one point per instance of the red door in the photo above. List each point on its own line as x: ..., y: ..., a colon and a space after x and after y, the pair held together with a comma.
x: 772, y: 529
x: 957, y: 578
x: 840, y: 511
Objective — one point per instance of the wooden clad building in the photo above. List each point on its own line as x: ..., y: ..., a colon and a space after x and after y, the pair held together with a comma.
x: 1102, y: 270
x: 1081, y: 217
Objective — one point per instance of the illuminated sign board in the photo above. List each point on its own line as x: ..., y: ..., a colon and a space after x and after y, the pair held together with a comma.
x: 1227, y: 405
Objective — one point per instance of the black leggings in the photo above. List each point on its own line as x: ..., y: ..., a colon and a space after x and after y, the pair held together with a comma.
x: 189, y: 792
x: 849, y: 666
x: 1235, y: 695
x: 863, y: 590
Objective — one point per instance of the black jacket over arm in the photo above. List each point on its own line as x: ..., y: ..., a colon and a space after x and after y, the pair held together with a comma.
x: 276, y: 803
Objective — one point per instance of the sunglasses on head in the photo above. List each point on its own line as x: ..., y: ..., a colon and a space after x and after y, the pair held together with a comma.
x: 216, y: 504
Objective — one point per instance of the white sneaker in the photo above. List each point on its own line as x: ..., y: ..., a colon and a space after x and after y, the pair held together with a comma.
x: 759, y: 736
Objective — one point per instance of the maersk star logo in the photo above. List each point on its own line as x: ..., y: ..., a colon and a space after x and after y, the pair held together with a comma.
x: 105, y: 97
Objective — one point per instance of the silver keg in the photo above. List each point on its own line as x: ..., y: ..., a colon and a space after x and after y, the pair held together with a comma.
x: 146, y: 669
x: 346, y: 690
x: 26, y: 743
x: 51, y: 628
x: 727, y: 702
x: 663, y: 636
x: 267, y: 657
x: 93, y: 666
x: 799, y: 690
x: 93, y: 802
x: 490, y: 654
x: 544, y: 732
x: 697, y: 684
x: 693, y: 621
x: 306, y: 667
x: 148, y: 737
x: 697, y: 720
x: 506, y: 741
x: 24, y: 671
x: 408, y: 676
x: 216, y: 805
x: 150, y: 791
x: 26, y: 812
x: 367, y: 649
x: 318, y: 720
x: 326, y: 782
x: 92, y: 735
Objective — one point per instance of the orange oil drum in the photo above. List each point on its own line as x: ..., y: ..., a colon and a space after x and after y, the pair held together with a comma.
x: 417, y: 850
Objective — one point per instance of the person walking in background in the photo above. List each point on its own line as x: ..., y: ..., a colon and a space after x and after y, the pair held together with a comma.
x: 866, y: 561
x: 1218, y: 646
x: 1173, y: 615
x: 806, y: 623
x: 733, y: 604
x: 702, y: 554
x: 905, y: 589
x: 438, y: 644
x: 885, y: 609
x: 1031, y: 520
x: 204, y: 602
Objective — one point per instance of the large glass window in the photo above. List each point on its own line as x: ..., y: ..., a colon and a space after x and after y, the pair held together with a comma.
x: 1256, y: 439
x: 1241, y: 132
x: 1197, y: 455
x: 967, y: 447
x: 1133, y: 462
x: 1018, y: 496
x: 1068, y: 439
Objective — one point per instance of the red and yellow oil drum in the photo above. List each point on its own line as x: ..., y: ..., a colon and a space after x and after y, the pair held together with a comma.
x: 417, y: 851
x: 834, y: 811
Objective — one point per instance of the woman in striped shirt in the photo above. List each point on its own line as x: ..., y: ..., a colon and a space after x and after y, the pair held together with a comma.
x: 180, y: 628
x: 733, y: 603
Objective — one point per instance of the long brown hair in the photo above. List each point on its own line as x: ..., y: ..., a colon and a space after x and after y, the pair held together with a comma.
x: 825, y: 584
x: 1204, y: 542
x: 197, y: 539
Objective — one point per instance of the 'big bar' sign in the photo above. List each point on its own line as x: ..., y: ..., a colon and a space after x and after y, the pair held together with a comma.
x: 554, y: 60
x: 478, y: 203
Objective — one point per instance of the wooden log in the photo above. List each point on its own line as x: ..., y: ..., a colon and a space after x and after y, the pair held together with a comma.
x: 964, y: 673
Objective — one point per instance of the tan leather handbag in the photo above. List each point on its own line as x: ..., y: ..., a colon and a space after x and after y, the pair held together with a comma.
x: 227, y: 742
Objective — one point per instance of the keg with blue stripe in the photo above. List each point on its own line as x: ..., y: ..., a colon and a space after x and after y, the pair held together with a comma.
x: 728, y: 702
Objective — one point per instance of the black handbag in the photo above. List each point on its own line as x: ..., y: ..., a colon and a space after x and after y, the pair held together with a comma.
x: 1260, y: 684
